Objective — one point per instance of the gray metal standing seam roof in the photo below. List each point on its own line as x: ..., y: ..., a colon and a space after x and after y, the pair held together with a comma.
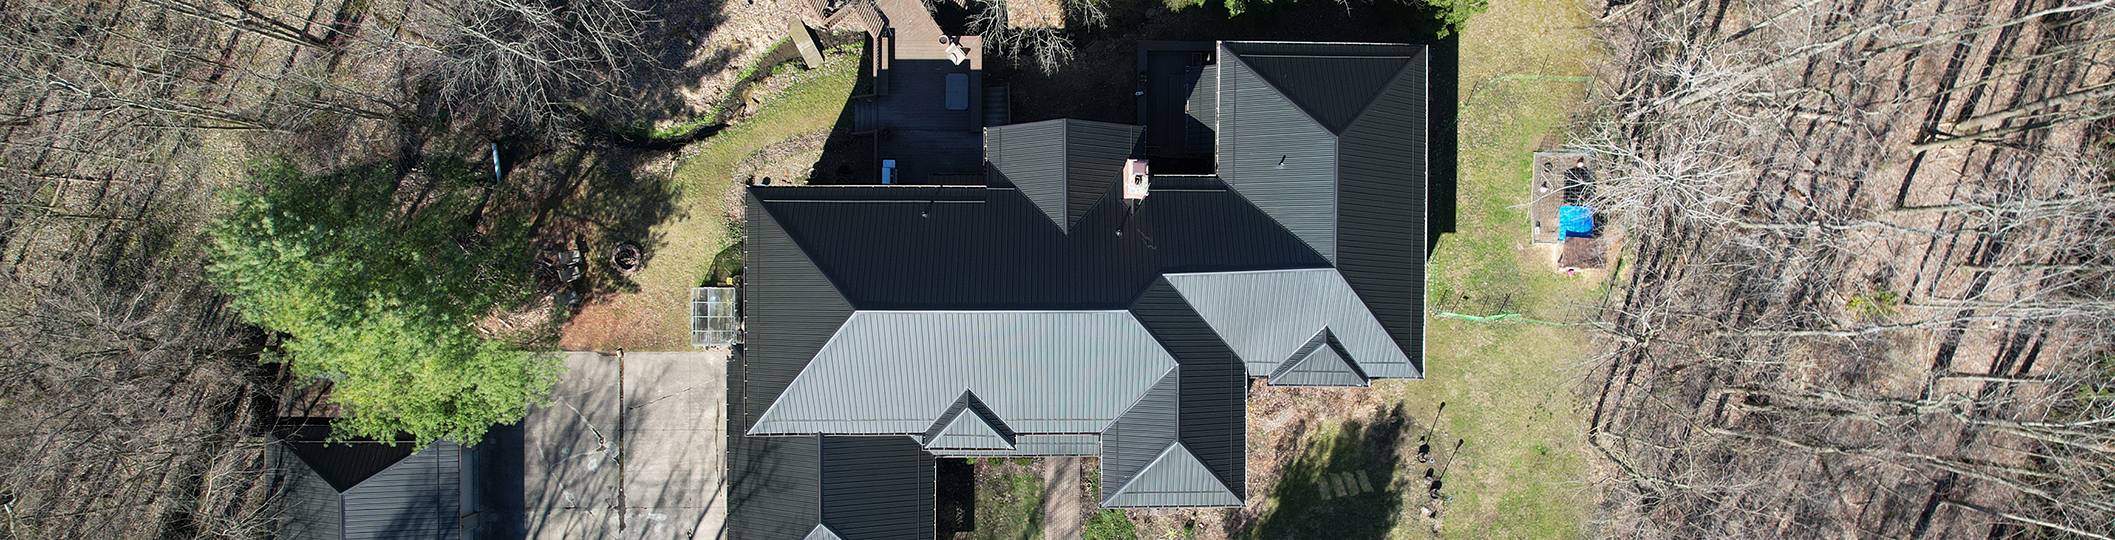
x: 851, y: 488
x: 1329, y: 139
x: 1201, y: 111
x: 1065, y: 166
x: 1321, y: 362
x: 968, y: 425
x: 368, y: 490
x: 821, y: 533
x: 877, y: 488
x: 1267, y: 316
x: 1211, y: 391
x: 1013, y: 319
x: 897, y: 372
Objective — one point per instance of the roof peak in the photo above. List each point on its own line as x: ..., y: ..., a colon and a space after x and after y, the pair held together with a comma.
x: 821, y: 532
x: 1320, y: 362
x: 969, y: 425
x: 1174, y: 478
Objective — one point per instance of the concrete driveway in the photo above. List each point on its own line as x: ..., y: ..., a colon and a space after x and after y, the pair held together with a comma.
x: 630, y: 447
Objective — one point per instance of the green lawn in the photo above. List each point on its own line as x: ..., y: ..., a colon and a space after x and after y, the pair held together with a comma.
x: 656, y: 317
x: 1009, y: 500
x: 1510, y: 388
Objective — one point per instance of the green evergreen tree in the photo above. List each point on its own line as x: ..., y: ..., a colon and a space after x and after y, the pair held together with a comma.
x: 381, y: 297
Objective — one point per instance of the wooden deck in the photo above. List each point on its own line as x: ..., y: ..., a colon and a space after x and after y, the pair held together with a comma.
x: 930, y: 143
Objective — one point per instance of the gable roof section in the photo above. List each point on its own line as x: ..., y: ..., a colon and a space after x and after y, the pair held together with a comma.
x: 389, y: 491
x: 1267, y: 316
x: 1174, y: 478
x: 818, y: 487
x: 342, y: 464
x: 419, y: 497
x: 1321, y: 362
x: 1146, y: 464
x: 896, y: 372
x: 776, y: 486
x: 1213, y: 388
x: 1138, y: 438
x: 968, y: 425
x: 821, y: 533
x: 309, y: 507
x: 877, y: 488
x: 1064, y: 166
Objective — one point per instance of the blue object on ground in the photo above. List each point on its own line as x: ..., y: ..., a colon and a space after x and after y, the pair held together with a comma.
x: 1575, y: 222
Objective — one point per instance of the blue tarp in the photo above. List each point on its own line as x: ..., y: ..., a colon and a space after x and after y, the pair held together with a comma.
x: 1575, y: 222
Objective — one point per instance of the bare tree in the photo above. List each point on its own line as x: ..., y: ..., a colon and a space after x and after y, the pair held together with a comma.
x: 1046, y: 47
x: 527, y: 59
x: 1871, y: 291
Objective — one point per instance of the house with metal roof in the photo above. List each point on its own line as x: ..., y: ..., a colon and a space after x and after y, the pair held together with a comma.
x: 1063, y: 308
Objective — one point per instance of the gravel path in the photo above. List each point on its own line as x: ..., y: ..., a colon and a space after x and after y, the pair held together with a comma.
x: 1063, y: 516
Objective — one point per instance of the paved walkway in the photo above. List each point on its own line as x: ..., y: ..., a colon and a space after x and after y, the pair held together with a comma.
x: 1063, y: 515
x: 629, y: 450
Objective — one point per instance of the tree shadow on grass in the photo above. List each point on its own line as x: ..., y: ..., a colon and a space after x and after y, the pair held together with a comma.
x: 589, y: 198
x: 849, y: 155
x: 677, y: 62
x: 616, y: 208
x: 1341, y: 485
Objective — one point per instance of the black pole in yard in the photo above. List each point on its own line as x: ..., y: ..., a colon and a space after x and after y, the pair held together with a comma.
x: 1424, y: 446
x: 1443, y: 467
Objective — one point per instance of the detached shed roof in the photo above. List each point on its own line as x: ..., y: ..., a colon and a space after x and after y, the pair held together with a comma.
x: 366, y: 489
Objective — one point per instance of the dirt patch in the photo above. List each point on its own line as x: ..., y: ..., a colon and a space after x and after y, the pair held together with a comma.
x: 1282, y: 425
x: 1009, y: 499
x: 787, y: 162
